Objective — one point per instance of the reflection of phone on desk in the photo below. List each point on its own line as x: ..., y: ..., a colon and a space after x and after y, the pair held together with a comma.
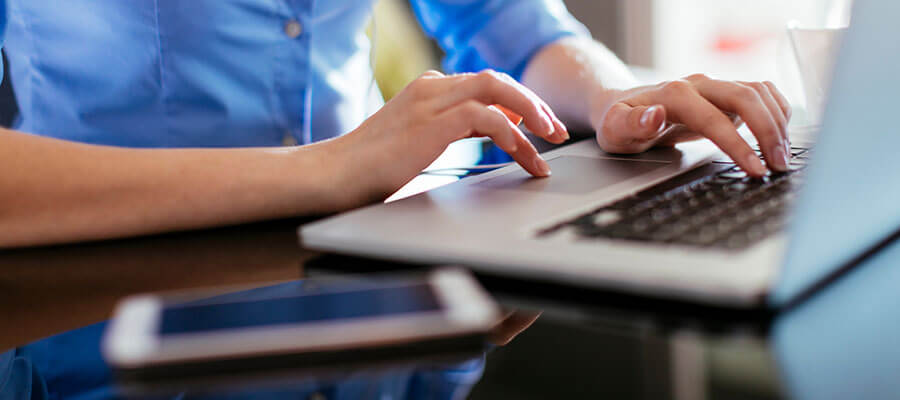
x: 303, y: 324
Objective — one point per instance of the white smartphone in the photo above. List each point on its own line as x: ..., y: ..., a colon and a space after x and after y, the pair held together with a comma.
x: 303, y: 323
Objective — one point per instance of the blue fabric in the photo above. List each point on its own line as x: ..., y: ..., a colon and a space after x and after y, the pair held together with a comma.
x: 70, y: 366
x: 2, y: 27
x: 215, y: 73
x: 497, y: 34
x: 19, y: 379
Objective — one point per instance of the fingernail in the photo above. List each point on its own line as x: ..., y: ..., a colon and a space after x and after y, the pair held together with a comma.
x: 541, y: 166
x: 756, y: 166
x: 565, y: 131
x: 548, y: 125
x: 647, y: 116
x: 781, y: 159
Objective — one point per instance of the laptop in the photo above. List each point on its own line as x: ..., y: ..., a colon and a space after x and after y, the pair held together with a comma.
x: 677, y: 223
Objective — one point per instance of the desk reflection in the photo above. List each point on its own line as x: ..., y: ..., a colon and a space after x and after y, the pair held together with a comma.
x: 844, y: 342
x: 49, y: 290
x: 69, y: 365
x: 74, y: 288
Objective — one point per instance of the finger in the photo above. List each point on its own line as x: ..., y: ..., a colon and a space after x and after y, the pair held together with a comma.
x: 528, y: 157
x: 685, y: 105
x: 490, y: 87
x: 783, y: 102
x: 749, y: 105
x: 473, y: 118
x: 772, y: 104
x: 430, y: 74
x: 561, y: 132
x: 628, y: 129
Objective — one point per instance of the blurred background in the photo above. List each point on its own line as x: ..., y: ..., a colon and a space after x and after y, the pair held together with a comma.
x: 662, y: 39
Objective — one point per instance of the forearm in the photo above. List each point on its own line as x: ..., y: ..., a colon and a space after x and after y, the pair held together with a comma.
x: 574, y: 75
x: 56, y: 191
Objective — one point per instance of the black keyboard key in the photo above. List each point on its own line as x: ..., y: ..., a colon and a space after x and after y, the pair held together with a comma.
x: 719, y: 206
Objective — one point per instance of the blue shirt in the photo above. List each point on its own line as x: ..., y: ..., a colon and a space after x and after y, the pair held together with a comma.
x: 175, y: 73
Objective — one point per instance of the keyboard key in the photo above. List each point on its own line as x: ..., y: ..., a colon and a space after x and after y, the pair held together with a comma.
x: 734, y: 174
x: 726, y: 209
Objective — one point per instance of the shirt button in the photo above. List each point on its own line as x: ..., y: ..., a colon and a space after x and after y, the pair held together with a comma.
x: 293, y: 29
x: 288, y: 139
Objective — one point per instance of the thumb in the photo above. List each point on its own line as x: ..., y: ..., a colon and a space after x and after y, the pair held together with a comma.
x: 628, y: 129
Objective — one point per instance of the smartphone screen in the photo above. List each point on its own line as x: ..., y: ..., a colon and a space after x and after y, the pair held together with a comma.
x: 292, y: 304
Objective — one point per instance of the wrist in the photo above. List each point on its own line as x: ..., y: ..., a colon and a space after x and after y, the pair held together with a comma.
x: 315, y: 174
x: 343, y: 177
x: 600, y: 101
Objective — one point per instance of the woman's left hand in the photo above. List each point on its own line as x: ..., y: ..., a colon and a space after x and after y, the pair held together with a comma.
x: 634, y: 120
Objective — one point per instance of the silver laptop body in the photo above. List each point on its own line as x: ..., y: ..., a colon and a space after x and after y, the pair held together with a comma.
x: 505, y: 223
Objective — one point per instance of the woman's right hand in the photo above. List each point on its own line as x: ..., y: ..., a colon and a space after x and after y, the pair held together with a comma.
x: 417, y: 125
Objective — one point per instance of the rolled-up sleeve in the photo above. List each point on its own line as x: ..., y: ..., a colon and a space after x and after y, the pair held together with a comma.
x: 2, y: 29
x: 498, y: 34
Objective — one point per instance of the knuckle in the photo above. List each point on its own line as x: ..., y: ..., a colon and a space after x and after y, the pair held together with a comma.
x: 607, y: 126
x: 431, y: 73
x: 488, y: 75
x: 771, y: 136
x: 677, y: 87
x: 493, y: 78
x: 745, y: 96
x: 745, y: 92
x: 486, y: 80
x: 503, y: 76
x: 479, y: 114
x: 611, y: 138
x: 698, y: 77
x: 470, y: 108
x: 759, y: 86
x: 418, y: 87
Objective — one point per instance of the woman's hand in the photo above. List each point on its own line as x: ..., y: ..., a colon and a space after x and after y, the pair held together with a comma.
x: 414, y: 128
x: 632, y: 121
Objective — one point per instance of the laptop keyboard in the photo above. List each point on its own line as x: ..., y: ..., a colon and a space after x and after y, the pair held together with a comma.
x: 717, y: 205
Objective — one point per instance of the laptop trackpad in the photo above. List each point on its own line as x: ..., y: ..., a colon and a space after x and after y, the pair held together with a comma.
x: 575, y: 175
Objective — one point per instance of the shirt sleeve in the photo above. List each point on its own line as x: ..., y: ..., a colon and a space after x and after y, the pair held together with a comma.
x: 498, y: 34
x: 2, y: 30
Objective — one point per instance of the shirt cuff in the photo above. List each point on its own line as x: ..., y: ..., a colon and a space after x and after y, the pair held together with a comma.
x: 514, y: 34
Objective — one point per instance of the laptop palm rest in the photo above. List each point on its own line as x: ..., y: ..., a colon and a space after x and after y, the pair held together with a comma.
x: 575, y: 175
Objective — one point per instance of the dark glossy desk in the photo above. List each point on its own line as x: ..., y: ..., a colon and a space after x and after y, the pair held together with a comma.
x: 840, y: 343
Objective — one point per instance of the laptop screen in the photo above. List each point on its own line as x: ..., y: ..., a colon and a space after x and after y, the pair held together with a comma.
x: 851, y: 199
